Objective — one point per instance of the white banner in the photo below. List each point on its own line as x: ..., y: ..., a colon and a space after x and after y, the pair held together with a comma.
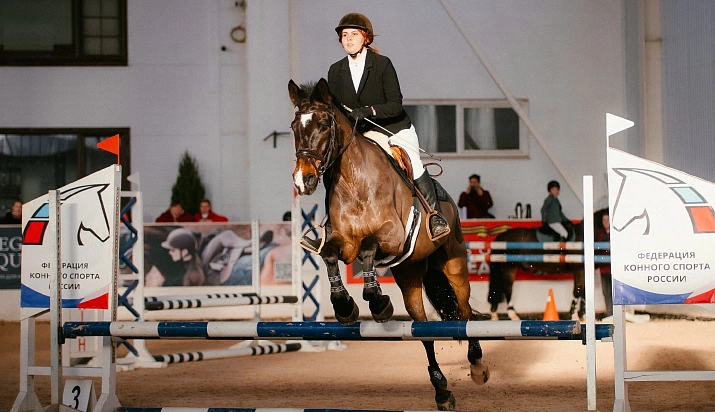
x: 662, y: 233
x: 88, y: 221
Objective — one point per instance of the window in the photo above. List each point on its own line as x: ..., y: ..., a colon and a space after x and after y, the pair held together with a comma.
x: 479, y: 128
x: 63, y: 32
x: 34, y: 161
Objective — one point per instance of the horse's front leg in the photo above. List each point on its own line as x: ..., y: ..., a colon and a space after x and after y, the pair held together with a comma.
x: 380, y: 305
x: 577, y: 310
x: 346, y: 310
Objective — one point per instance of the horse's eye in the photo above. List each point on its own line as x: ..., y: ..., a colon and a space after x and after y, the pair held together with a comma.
x: 324, y: 127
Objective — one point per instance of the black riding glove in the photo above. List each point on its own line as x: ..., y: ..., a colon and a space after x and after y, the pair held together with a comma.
x: 360, y: 113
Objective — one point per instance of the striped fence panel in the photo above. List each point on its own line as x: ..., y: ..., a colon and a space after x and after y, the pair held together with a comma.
x: 206, y: 303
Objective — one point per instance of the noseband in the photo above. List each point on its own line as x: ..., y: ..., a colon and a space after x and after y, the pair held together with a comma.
x: 332, y: 141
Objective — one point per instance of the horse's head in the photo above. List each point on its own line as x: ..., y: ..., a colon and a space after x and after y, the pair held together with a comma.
x: 315, y: 133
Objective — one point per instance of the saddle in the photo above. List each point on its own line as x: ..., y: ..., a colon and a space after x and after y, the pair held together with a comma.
x: 546, y: 234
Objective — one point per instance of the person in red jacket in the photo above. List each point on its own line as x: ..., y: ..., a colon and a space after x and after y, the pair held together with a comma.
x: 206, y: 214
x: 175, y: 213
x: 476, y: 200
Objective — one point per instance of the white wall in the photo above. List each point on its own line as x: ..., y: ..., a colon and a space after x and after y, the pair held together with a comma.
x: 181, y: 92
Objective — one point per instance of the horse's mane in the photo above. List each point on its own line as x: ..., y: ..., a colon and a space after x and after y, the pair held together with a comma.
x: 308, y: 89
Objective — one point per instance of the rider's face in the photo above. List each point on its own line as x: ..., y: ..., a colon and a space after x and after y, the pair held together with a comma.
x: 352, y: 40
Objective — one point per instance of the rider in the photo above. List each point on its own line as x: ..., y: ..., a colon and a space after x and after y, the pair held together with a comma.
x: 552, y: 218
x: 367, y: 83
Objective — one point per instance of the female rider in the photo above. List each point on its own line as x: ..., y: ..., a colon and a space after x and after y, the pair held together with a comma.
x: 366, y: 82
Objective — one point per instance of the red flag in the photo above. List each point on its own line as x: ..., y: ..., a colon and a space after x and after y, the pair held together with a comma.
x: 111, y: 145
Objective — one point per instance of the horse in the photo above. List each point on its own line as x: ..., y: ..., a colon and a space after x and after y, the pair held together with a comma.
x: 371, y: 207
x: 502, y: 274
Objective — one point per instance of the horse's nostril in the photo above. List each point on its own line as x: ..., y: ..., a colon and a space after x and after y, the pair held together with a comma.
x: 311, y: 179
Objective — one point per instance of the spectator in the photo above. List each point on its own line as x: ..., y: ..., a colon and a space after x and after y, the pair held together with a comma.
x: 14, y: 216
x: 476, y: 200
x: 553, y: 220
x: 175, y: 213
x: 603, y: 234
x: 206, y: 214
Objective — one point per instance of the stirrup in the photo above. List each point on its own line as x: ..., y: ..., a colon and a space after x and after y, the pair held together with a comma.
x: 314, y: 245
x: 436, y: 236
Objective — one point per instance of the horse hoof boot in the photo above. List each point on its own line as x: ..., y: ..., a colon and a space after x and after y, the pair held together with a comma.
x: 447, y: 405
x: 479, y: 372
x: 350, y: 318
x: 382, y: 310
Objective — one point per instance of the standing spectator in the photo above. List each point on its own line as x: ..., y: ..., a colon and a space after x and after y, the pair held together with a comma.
x: 476, y: 200
x: 14, y: 216
x: 175, y: 213
x: 206, y: 214
x: 603, y: 234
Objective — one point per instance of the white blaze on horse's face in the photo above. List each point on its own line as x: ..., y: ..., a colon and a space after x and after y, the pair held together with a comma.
x: 305, y: 118
x: 298, y: 181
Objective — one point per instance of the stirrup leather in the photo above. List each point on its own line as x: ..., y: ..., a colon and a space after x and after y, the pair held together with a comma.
x: 314, y: 245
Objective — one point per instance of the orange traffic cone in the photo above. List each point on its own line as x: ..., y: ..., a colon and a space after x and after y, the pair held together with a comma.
x: 550, y: 313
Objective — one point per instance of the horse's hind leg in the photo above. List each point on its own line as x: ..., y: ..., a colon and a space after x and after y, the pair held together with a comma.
x: 578, y: 304
x: 346, y: 310
x: 509, y: 274
x: 380, y: 305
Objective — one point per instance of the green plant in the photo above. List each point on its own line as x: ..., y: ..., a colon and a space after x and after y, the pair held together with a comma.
x: 188, y: 188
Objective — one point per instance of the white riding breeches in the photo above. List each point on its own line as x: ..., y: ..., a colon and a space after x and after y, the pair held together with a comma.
x: 406, y: 139
x: 560, y: 229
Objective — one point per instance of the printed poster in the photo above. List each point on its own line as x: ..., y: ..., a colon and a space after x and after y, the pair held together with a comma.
x: 213, y: 254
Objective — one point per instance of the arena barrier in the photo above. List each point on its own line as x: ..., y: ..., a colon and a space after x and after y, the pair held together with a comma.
x: 180, y: 409
x: 407, y: 330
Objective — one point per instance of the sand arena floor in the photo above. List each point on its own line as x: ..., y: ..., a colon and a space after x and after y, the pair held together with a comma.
x: 525, y: 375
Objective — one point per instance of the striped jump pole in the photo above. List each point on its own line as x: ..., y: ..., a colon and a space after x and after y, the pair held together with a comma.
x: 549, y: 258
x: 495, y: 245
x: 388, y: 331
x: 207, y: 303
x: 202, y: 296
x: 265, y: 349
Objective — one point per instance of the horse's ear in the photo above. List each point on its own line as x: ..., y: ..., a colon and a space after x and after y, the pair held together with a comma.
x: 295, y: 93
x: 322, y: 91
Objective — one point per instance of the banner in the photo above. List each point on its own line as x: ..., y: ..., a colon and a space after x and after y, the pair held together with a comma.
x: 10, y: 255
x: 662, y: 233
x: 88, y: 218
x: 213, y: 254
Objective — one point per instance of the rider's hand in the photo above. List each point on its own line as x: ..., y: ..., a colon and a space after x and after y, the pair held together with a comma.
x: 360, y: 113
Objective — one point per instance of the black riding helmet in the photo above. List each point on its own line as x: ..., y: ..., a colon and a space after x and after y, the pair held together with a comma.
x: 355, y: 20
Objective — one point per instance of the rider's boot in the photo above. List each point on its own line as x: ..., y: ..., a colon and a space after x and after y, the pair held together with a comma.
x: 316, y: 245
x: 438, y: 226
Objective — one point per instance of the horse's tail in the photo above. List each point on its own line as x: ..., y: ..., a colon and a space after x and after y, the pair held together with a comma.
x: 441, y: 294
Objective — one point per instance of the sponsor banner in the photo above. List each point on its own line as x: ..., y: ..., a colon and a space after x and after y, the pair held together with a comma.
x: 10, y: 255
x: 88, y: 218
x: 475, y: 230
x: 213, y: 254
x: 662, y: 233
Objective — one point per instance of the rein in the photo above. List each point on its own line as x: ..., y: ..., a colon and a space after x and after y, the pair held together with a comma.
x: 313, y: 154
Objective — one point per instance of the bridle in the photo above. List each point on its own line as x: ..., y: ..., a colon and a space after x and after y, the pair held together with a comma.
x: 332, y: 142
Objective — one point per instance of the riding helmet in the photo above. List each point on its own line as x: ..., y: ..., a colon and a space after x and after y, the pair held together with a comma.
x: 551, y: 184
x: 180, y: 239
x: 355, y: 20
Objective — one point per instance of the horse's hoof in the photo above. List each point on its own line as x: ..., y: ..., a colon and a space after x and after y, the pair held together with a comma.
x: 479, y: 372
x: 350, y: 318
x: 512, y: 314
x: 476, y: 315
x: 447, y: 405
x: 493, y: 316
x: 382, y: 315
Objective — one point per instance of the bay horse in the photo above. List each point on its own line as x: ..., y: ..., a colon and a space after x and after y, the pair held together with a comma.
x: 502, y: 274
x: 370, y: 207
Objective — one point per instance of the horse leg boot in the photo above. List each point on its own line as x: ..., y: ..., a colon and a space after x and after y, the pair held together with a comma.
x: 380, y: 305
x: 443, y: 396
x: 438, y: 226
x: 346, y: 310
